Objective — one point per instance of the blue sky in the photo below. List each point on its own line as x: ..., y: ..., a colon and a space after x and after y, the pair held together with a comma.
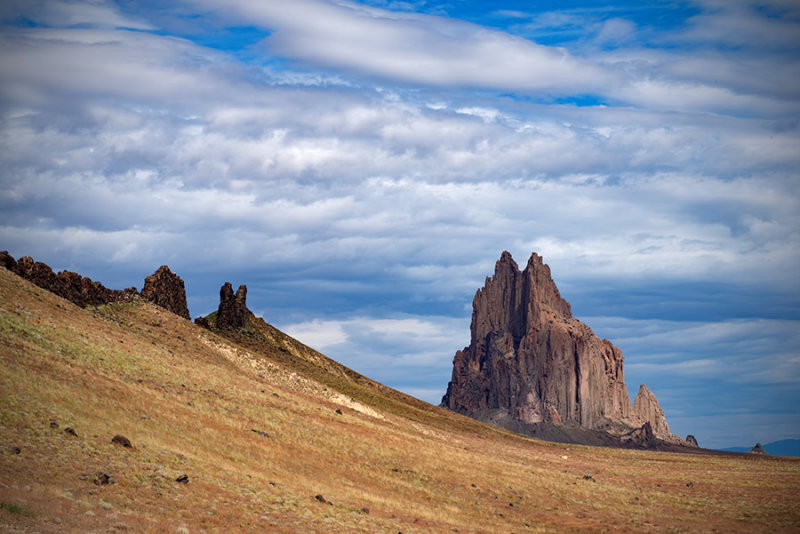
x: 362, y: 165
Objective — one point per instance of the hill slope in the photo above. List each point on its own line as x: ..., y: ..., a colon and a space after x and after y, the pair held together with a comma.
x: 253, y: 423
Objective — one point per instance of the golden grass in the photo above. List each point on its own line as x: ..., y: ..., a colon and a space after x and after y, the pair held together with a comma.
x: 190, y: 401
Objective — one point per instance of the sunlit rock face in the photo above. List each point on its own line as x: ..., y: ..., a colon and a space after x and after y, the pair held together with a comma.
x: 530, y: 361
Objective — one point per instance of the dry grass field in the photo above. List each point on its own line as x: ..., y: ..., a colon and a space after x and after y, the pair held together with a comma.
x: 274, y: 437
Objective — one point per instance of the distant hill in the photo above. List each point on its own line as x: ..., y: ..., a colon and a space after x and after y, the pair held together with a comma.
x: 784, y: 447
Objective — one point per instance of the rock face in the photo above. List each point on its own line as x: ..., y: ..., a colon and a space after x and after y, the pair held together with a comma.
x: 530, y: 364
x: 692, y: 441
x: 530, y: 361
x: 232, y: 312
x: 165, y: 288
x: 78, y: 289
x: 646, y: 407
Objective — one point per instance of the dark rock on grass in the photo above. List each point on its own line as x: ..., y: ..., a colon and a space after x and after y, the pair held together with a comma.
x: 122, y: 440
x: 102, y: 479
x: 183, y: 479
x: 69, y: 430
x: 338, y: 411
x: 260, y: 432
x: 16, y: 450
x: 589, y: 478
x: 322, y: 499
x: 365, y: 510
x: 53, y: 423
x: 689, y: 484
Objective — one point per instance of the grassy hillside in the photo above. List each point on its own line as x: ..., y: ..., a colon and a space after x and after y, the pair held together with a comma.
x: 262, y: 425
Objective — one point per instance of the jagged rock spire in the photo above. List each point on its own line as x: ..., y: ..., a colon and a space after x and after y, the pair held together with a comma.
x: 165, y: 288
x: 232, y: 312
x: 529, y: 361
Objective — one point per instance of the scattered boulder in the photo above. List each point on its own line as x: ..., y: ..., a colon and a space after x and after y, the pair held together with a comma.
x: 338, y: 411
x: 69, y: 430
x: 590, y: 478
x: 692, y: 441
x: 122, y: 440
x: 322, y: 499
x: 259, y: 432
x: 232, y: 313
x: 166, y: 289
x: 183, y: 479
x: 202, y: 322
x: 53, y: 423
x: 102, y: 479
x: 16, y: 450
x: 758, y: 449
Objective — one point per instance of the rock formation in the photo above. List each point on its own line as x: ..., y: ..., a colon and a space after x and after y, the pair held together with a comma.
x: 530, y: 363
x: 647, y: 408
x: 232, y: 312
x: 758, y: 449
x: 692, y: 441
x: 78, y: 289
x: 165, y: 288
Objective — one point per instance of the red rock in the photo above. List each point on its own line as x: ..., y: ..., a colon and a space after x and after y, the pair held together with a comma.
x: 166, y: 289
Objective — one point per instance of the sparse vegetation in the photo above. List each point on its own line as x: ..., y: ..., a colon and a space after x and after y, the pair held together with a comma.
x: 252, y: 423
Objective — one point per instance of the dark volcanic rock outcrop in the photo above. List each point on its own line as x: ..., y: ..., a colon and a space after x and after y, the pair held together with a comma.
x: 78, y: 289
x: 232, y: 312
x: 532, y: 367
x: 165, y: 288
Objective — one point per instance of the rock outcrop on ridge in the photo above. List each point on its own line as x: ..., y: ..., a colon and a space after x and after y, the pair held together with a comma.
x: 78, y: 289
x: 165, y: 288
x: 532, y: 367
x: 232, y: 313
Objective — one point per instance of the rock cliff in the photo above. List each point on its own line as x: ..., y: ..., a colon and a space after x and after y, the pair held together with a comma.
x: 165, y: 288
x: 531, y: 364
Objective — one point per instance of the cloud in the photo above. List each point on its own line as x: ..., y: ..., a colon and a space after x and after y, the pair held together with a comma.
x: 414, y: 48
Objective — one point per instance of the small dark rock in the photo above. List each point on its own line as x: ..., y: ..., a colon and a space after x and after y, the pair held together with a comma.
x: 320, y: 498
x: 338, y: 411
x: 16, y: 450
x: 70, y: 431
x: 589, y: 477
x: 689, y: 484
x: 53, y: 423
x: 365, y: 510
x: 260, y: 432
x: 122, y: 440
x: 101, y: 479
x: 183, y: 479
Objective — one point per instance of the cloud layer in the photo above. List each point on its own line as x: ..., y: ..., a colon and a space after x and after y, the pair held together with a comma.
x: 361, y: 169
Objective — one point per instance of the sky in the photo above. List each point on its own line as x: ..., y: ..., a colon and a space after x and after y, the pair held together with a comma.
x: 361, y: 165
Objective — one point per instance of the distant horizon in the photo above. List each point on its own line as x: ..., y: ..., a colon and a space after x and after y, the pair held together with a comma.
x: 361, y: 165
